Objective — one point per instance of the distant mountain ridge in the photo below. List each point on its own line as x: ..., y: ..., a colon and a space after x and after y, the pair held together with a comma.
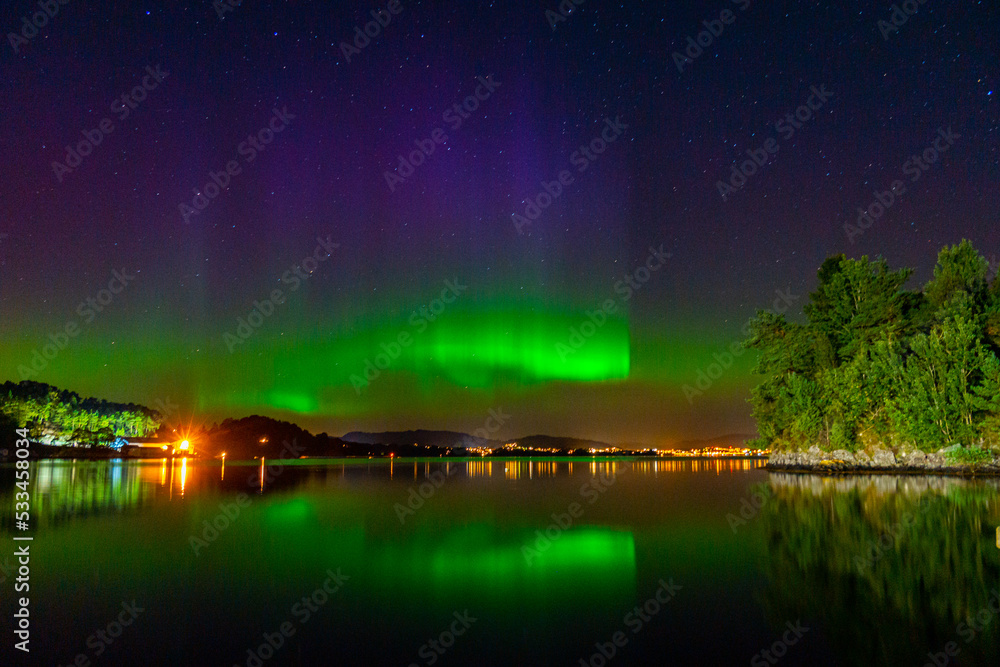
x: 423, y: 437
x: 453, y: 439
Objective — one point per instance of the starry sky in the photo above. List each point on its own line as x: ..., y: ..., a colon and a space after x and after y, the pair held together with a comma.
x: 225, y: 210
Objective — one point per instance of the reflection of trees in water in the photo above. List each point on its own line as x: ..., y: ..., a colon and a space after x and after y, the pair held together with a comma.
x: 890, y: 566
x: 64, y: 490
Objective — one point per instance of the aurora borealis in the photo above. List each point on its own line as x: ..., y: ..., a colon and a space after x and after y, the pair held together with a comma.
x: 446, y: 222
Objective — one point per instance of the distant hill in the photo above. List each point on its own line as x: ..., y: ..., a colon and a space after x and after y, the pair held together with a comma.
x: 420, y: 437
x: 453, y: 439
x: 262, y: 436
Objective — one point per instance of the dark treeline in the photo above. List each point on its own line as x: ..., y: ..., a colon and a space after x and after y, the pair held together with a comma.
x: 877, y: 365
x: 257, y: 436
x: 58, y: 416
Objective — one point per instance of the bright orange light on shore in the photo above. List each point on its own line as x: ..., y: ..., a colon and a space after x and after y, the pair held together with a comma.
x: 185, y: 444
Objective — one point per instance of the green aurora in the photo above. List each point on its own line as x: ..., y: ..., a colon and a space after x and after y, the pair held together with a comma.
x: 529, y: 356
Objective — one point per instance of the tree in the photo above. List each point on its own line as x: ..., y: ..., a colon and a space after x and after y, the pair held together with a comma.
x: 856, y: 393
x: 960, y: 268
x: 856, y: 302
x: 942, y: 398
x: 83, y: 437
x: 788, y: 353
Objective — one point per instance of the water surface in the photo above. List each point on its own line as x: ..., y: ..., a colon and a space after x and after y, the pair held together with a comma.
x: 516, y: 562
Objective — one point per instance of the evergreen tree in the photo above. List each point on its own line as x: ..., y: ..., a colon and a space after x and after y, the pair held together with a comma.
x: 856, y: 302
x: 960, y: 268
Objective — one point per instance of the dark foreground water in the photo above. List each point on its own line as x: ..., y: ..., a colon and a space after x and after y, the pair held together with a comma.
x: 491, y: 562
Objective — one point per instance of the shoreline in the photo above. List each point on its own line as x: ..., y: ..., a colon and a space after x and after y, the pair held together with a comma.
x: 879, y: 461
x: 956, y: 471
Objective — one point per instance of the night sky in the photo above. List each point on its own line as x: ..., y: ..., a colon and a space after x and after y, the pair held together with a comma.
x: 585, y: 317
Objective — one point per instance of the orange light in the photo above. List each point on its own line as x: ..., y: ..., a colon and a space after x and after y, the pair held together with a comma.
x: 185, y: 444
x: 184, y: 469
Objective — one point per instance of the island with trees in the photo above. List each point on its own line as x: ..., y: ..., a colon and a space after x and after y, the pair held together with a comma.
x: 56, y: 416
x: 880, y: 377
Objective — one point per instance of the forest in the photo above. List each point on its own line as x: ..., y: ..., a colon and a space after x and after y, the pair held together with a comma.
x: 56, y: 416
x: 876, y: 365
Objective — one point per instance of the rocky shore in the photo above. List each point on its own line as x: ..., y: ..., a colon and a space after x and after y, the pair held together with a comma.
x: 944, y: 461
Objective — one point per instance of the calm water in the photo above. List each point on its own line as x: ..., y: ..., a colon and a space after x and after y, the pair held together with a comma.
x: 864, y: 570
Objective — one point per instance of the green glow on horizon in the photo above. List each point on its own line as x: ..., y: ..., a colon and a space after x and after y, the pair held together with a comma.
x: 474, y: 349
x: 479, y: 349
x: 292, y: 401
x: 471, y: 357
